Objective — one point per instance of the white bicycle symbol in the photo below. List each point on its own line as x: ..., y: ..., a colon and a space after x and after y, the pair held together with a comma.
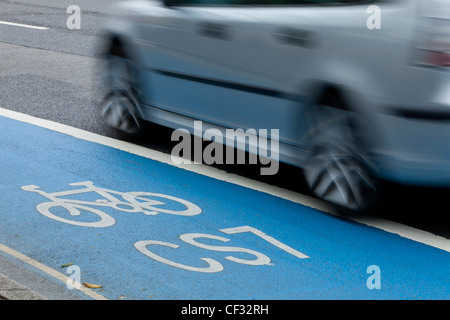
x: 137, y: 202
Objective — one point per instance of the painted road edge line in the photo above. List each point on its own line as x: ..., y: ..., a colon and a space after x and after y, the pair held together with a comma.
x: 23, y: 25
x: 404, y: 231
x: 50, y: 271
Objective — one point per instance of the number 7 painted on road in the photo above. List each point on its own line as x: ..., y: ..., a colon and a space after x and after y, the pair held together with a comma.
x: 264, y: 236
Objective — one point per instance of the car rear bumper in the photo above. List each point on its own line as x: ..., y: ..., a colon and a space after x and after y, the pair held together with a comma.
x: 415, y: 147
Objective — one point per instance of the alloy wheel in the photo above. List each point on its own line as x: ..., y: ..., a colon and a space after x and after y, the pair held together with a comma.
x: 337, y: 170
x: 120, y: 107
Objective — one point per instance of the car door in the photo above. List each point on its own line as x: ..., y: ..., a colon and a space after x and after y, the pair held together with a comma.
x: 223, y: 64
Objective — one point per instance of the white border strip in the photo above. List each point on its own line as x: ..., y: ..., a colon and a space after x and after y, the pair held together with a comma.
x: 50, y: 272
x: 23, y: 25
x: 386, y: 225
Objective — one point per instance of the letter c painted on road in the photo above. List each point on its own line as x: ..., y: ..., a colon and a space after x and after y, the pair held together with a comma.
x: 214, y: 266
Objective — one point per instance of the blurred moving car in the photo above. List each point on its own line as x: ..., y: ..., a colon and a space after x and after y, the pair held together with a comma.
x: 353, y: 103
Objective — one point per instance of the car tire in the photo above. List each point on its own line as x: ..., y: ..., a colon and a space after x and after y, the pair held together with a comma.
x: 337, y: 169
x: 120, y: 107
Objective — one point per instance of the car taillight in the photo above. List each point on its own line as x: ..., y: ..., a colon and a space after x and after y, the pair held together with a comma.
x: 439, y: 59
x: 433, y: 49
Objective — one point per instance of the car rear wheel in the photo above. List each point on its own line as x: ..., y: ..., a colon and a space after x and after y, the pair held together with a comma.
x: 337, y: 169
x: 120, y: 107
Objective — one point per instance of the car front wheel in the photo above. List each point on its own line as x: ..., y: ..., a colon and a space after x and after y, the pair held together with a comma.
x: 120, y: 106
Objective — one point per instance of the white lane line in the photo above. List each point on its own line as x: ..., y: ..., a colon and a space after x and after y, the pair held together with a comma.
x: 50, y: 271
x: 23, y: 25
x: 411, y: 233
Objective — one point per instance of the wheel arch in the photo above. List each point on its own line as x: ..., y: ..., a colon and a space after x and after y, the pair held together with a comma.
x: 116, y: 44
x: 331, y: 94
x: 344, y: 98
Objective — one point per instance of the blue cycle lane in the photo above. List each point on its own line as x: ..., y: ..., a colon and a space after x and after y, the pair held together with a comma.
x: 143, y: 229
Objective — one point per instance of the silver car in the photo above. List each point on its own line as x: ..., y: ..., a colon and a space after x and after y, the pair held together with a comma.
x: 359, y: 90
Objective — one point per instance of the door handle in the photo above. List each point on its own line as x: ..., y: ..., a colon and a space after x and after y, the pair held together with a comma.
x: 296, y: 37
x: 214, y: 30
